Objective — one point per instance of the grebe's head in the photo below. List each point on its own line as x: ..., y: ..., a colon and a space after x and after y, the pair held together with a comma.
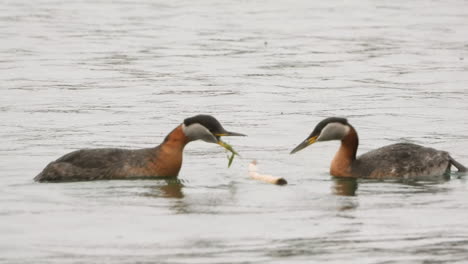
x: 332, y: 128
x: 206, y: 128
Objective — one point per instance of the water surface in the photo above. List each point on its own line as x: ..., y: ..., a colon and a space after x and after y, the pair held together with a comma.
x: 89, y: 74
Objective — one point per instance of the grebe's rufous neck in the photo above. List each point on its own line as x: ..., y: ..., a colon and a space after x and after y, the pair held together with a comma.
x: 164, y: 160
x: 397, y: 161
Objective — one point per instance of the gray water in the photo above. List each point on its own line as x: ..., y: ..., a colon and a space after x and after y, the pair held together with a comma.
x: 91, y: 74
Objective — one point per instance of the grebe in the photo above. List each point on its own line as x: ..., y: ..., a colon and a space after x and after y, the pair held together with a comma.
x: 164, y: 160
x: 396, y: 161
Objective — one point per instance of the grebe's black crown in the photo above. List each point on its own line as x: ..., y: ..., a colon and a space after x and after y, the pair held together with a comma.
x: 318, y: 128
x: 207, y: 121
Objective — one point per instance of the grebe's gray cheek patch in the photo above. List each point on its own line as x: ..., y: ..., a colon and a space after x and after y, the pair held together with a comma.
x: 198, y: 132
x: 333, y: 131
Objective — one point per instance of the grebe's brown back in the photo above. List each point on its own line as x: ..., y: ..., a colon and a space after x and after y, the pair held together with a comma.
x: 164, y: 160
x: 402, y: 160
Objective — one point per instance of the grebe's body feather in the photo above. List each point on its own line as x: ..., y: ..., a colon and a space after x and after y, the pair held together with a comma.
x: 101, y: 164
x: 402, y: 160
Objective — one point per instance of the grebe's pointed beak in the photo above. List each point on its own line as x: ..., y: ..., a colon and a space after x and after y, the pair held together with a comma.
x: 304, y: 144
x: 230, y: 134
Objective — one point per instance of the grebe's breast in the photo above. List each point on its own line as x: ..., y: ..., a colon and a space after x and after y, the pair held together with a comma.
x: 402, y: 160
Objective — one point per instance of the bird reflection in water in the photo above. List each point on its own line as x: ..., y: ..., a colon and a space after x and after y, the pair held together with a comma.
x: 344, y: 186
x: 168, y: 188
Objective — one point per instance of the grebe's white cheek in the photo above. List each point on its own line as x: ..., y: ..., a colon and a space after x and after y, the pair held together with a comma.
x: 333, y: 131
x: 198, y: 132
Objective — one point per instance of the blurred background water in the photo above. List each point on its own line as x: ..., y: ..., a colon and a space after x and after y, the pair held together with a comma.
x: 90, y: 74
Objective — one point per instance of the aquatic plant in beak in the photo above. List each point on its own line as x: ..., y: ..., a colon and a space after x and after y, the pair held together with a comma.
x: 230, y: 149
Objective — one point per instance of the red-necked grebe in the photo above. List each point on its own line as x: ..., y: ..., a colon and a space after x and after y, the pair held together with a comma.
x: 164, y: 160
x: 396, y: 161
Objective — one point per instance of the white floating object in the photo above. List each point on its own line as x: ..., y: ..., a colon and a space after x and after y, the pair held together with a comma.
x: 264, y: 177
